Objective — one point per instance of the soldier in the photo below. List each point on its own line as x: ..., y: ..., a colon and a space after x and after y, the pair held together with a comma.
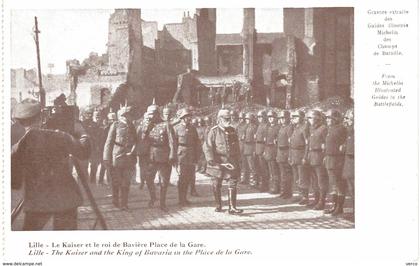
x: 314, y: 157
x: 334, y: 160
x: 240, y: 129
x: 201, y: 166
x: 93, y: 130
x: 348, y: 149
x: 111, y: 118
x: 284, y: 133
x: 143, y: 146
x: 222, y: 154
x: 234, y: 119
x: 40, y: 160
x: 185, y: 88
x: 119, y: 155
x: 270, y: 152
x: 260, y: 137
x: 249, y: 149
x: 297, y: 144
x: 188, y: 151
x: 161, y: 156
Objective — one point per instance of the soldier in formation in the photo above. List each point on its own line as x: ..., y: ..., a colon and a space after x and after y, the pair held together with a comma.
x: 260, y: 138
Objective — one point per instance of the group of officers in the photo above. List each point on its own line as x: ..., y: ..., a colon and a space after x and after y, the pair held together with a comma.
x: 278, y: 152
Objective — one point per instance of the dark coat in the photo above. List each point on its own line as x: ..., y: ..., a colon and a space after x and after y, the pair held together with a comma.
x: 316, y: 143
x: 336, y: 137
x: 187, y: 144
x: 249, y: 139
x: 270, y: 150
x: 161, y: 139
x: 260, y: 136
x: 297, y: 143
x: 285, y: 132
x: 348, y: 169
x: 40, y: 160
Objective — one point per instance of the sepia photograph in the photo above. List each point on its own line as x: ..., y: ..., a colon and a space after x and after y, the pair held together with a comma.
x: 182, y: 119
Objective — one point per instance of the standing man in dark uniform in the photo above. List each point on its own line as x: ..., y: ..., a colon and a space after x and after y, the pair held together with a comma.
x: 249, y: 149
x: 270, y: 152
x: 93, y: 130
x: 143, y: 146
x: 223, y: 160
x: 240, y: 129
x: 161, y: 157
x: 260, y: 136
x: 315, y: 156
x: 334, y: 160
x: 186, y: 89
x: 111, y: 118
x: 187, y: 144
x: 119, y: 155
x: 348, y: 149
x: 285, y: 132
x: 201, y: 128
x: 297, y: 144
x: 40, y: 160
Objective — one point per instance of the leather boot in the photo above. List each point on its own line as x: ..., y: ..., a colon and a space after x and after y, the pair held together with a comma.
x: 316, y: 200
x: 232, y: 201
x: 286, y: 190
x: 217, y: 193
x: 304, y: 199
x: 274, y: 186
x: 340, y: 203
x: 180, y: 193
x: 244, y: 179
x: 152, y: 193
x: 116, y: 196
x: 321, y: 203
x: 334, y: 200
x: 124, y: 198
x: 162, y: 197
x: 253, y: 182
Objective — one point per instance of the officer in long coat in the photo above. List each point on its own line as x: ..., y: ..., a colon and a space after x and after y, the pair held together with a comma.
x: 314, y: 158
x: 40, y: 162
x: 297, y: 146
x: 111, y: 118
x: 285, y: 132
x: 249, y: 149
x: 201, y: 165
x: 162, y: 156
x: 223, y: 160
x: 334, y: 159
x: 187, y: 145
x: 348, y: 148
x: 143, y: 146
x: 120, y: 153
x: 270, y: 152
x: 260, y: 136
x: 93, y: 130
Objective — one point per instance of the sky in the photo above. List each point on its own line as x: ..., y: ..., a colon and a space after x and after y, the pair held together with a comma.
x: 73, y: 34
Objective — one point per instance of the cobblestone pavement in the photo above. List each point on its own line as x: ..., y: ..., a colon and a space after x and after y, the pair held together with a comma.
x: 261, y: 211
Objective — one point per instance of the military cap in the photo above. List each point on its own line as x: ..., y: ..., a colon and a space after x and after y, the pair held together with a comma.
x: 298, y: 113
x: 314, y: 114
x: 333, y: 113
x: 249, y: 115
x: 223, y: 113
x: 271, y: 113
x: 284, y: 114
x: 261, y: 113
x: 26, y: 109
x: 183, y: 113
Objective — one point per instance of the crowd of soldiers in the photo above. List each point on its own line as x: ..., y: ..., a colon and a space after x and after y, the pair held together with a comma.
x: 277, y: 152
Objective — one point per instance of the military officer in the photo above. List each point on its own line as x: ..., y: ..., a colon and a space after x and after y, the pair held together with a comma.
x: 260, y: 137
x: 314, y: 157
x: 93, y: 130
x: 187, y: 144
x: 240, y: 129
x: 111, y: 118
x: 270, y: 152
x: 201, y: 166
x: 223, y: 160
x: 234, y: 118
x: 249, y: 148
x: 334, y: 159
x: 285, y: 132
x: 161, y: 156
x: 297, y: 144
x: 143, y: 146
x: 119, y: 152
x: 40, y: 162
x: 348, y: 149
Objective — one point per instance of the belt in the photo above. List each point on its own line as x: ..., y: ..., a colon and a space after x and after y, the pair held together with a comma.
x: 260, y: 142
x: 249, y: 142
x: 270, y: 144
x: 157, y: 145
x: 119, y: 144
x: 283, y: 148
x: 298, y: 148
x: 315, y: 149
x: 183, y: 144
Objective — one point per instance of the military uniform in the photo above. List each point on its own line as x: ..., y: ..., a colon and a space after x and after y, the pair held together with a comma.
x: 314, y: 157
x: 260, y: 136
x: 249, y: 152
x: 348, y: 169
x: 221, y: 147
x: 270, y: 152
x: 240, y: 129
x: 143, y: 148
x: 93, y: 130
x: 120, y: 150
x: 284, y: 133
x: 297, y: 146
x: 161, y: 155
x: 188, y: 151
